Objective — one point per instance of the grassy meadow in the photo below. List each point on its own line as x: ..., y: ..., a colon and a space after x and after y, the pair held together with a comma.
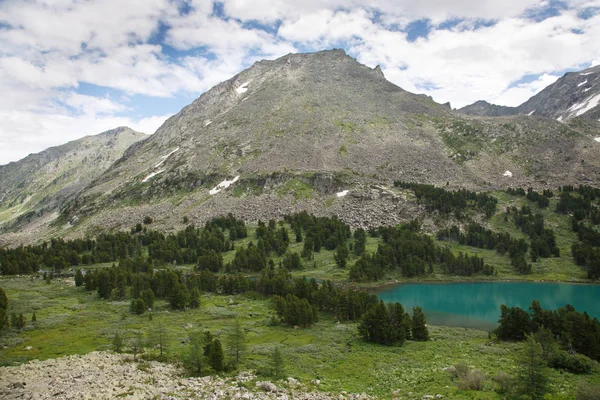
x: 71, y: 320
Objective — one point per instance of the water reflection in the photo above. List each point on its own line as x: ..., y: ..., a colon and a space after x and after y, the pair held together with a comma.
x: 477, y: 305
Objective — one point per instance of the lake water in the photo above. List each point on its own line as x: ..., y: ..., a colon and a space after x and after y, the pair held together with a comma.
x: 477, y: 305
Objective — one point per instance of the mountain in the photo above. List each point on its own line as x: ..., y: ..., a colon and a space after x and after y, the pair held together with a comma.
x: 41, y: 182
x: 576, y: 94
x: 323, y: 133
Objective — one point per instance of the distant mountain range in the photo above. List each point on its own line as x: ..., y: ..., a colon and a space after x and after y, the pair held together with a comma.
x: 40, y: 183
x: 323, y: 133
x: 576, y: 94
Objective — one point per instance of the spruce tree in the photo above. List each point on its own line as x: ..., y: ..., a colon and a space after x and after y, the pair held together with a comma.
x: 216, y: 359
x: 419, y: 325
x: 236, y: 342
x: 33, y: 317
x: 3, y: 309
x: 195, y: 359
x: 117, y: 342
x: 78, y: 278
x: 195, y: 298
x: 533, y: 377
x: 277, y: 364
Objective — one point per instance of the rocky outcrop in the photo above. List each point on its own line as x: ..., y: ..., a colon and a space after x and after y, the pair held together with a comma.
x: 105, y: 375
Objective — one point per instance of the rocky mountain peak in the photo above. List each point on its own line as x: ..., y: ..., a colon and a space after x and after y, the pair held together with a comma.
x: 576, y: 94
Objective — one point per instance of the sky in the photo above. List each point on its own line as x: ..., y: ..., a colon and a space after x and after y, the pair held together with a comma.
x: 71, y: 68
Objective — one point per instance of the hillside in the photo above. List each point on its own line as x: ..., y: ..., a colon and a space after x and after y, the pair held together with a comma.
x: 40, y: 183
x: 323, y: 133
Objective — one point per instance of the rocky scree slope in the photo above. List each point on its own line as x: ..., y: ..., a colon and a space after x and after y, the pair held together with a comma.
x: 41, y: 182
x: 323, y: 133
x: 104, y: 375
x: 576, y: 94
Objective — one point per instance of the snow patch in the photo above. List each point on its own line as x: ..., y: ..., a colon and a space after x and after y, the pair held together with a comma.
x: 585, y: 90
x: 164, y: 158
x: 585, y: 73
x: 152, y: 175
x: 207, y: 122
x: 582, y: 83
x: 507, y: 173
x: 597, y: 139
x: 243, y: 88
x: 586, y: 105
x: 342, y: 193
x: 223, y: 185
x: 531, y: 113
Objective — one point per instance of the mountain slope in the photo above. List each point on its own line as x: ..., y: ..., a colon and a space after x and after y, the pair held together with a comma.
x: 41, y: 182
x: 576, y: 94
x: 321, y: 132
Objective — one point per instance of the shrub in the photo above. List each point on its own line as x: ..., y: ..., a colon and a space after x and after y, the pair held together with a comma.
x: 505, y: 382
x: 472, y: 381
x: 576, y: 363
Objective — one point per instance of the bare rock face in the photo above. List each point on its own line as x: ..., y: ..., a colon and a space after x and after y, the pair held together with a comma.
x: 103, y: 375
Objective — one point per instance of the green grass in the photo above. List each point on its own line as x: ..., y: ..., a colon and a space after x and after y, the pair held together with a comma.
x: 72, y: 321
x: 297, y: 188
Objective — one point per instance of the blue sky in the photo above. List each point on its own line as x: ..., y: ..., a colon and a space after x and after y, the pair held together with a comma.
x: 75, y: 68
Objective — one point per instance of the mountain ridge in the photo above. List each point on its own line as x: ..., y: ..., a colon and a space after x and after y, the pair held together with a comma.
x: 575, y: 94
x: 43, y: 181
x: 323, y: 133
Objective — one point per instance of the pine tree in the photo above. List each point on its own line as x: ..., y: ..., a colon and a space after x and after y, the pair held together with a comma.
x: 104, y: 284
x: 236, y: 341
x: 33, y: 317
x: 3, y: 309
x: 159, y: 338
x: 195, y: 359
x: 148, y: 296
x: 532, y: 378
x: 117, y: 342
x: 277, y: 364
x: 419, y: 325
x: 195, y: 298
x: 216, y: 359
x: 78, y: 278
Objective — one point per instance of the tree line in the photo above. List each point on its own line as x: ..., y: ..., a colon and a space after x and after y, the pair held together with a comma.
x: 451, y: 202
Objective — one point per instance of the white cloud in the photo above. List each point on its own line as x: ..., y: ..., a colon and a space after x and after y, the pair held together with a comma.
x: 514, y: 96
x: 437, y: 10
x: 22, y: 133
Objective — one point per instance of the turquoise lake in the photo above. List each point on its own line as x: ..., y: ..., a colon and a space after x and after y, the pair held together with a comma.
x: 477, y: 305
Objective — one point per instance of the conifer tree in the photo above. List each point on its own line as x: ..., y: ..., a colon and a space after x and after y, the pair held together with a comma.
x: 419, y: 325
x: 78, y: 278
x: 195, y: 298
x: 117, y: 342
x: 216, y: 359
x: 277, y: 364
x: 533, y: 378
x: 236, y: 342
x: 195, y: 359
x: 3, y: 309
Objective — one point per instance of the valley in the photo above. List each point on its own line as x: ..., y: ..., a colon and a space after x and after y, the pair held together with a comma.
x: 72, y: 320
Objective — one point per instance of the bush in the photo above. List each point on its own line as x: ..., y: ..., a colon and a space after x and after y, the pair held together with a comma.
x: 472, y: 381
x: 576, y: 363
x: 148, y: 220
x: 505, y: 382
